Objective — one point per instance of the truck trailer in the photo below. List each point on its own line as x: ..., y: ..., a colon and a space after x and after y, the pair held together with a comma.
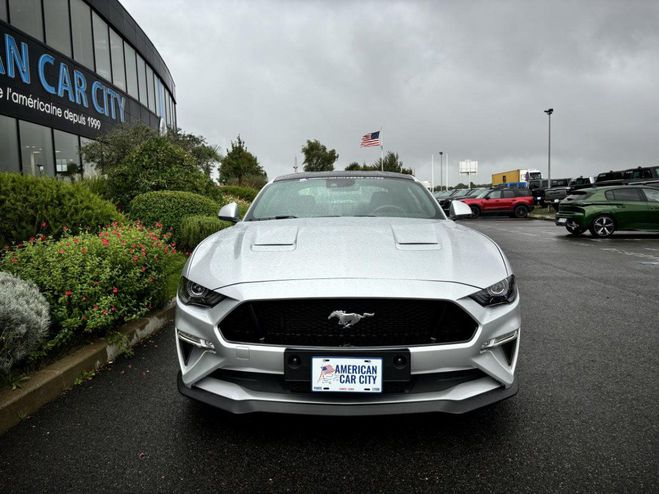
x: 514, y: 176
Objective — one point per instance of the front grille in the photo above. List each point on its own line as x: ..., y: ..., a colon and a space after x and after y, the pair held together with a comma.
x: 304, y: 322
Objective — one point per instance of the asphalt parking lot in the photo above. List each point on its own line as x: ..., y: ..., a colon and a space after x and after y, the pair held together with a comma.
x: 585, y: 418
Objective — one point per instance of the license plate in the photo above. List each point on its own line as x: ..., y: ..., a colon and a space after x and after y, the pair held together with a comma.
x: 561, y: 221
x: 347, y: 375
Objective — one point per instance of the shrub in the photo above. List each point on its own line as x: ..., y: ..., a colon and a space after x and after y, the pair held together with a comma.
x: 157, y: 164
x: 24, y: 320
x: 243, y: 205
x: 98, y: 186
x: 245, y: 193
x: 166, y: 209
x: 196, y: 228
x: 41, y: 205
x: 94, y: 282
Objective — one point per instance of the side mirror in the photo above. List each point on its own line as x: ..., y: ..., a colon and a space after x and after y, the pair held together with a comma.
x: 229, y: 212
x: 459, y: 210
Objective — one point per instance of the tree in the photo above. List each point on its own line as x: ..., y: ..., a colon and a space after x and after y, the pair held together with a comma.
x: 354, y: 166
x: 240, y: 165
x: 156, y: 164
x: 114, y: 147
x: 317, y: 158
x: 392, y: 163
x: 205, y: 155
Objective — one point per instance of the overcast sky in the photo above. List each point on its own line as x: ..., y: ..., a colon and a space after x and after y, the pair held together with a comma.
x: 467, y: 78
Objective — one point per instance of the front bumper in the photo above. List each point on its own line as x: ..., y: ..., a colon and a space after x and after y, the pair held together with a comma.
x: 236, y: 399
x: 243, y: 378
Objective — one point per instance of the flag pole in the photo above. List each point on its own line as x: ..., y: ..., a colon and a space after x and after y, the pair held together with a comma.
x: 381, y: 151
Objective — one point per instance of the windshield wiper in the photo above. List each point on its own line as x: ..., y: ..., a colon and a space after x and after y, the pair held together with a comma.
x: 280, y: 217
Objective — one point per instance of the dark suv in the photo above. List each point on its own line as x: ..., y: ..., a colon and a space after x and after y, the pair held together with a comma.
x: 638, y: 175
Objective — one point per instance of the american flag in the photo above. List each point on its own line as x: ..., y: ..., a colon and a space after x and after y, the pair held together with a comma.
x: 326, y: 371
x: 371, y: 140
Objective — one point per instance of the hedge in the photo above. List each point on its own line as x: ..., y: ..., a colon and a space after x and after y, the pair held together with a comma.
x: 196, y: 228
x: 40, y: 205
x: 245, y: 193
x: 94, y: 282
x: 166, y: 209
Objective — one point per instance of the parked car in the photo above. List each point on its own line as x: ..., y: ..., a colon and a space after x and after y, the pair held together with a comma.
x: 537, y: 187
x: 638, y: 175
x: 515, y: 202
x: 580, y: 183
x: 604, y: 210
x: 458, y: 194
x: 556, y: 192
x: 347, y: 293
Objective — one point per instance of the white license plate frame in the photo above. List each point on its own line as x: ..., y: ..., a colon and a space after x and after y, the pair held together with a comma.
x: 346, y: 374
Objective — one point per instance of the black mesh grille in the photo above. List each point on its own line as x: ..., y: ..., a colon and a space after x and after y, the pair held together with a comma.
x: 304, y: 322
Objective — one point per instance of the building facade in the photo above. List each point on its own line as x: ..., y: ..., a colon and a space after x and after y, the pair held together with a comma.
x: 71, y: 70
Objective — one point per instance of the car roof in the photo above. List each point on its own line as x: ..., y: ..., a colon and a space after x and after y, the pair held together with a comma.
x: 344, y: 173
x: 624, y: 186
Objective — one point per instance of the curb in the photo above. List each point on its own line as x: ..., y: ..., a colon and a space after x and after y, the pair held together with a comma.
x: 541, y: 217
x: 48, y: 383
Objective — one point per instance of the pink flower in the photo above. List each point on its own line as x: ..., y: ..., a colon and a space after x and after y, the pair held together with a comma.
x: 68, y: 293
x: 105, y: 242
x: 44, y: 224
x: 115, y: 290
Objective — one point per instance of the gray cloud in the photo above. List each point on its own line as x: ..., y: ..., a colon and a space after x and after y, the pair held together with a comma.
x: 469, y: 78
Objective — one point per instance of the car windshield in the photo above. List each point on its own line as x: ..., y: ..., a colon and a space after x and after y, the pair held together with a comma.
x: 344, y: 196
x: 483, y: 194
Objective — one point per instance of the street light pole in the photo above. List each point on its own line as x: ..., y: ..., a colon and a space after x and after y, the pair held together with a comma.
x: 549, y: 112
x: 432, y: 173
x: 441, y: 162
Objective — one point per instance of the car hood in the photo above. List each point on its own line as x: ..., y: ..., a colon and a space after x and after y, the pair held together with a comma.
x: 333, y: 248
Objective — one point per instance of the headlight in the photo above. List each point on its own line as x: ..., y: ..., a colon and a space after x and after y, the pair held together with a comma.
x: 502, y: 292
x: 190, y: 293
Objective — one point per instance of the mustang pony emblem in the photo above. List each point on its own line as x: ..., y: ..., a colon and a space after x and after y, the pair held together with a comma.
x: 349, y: 319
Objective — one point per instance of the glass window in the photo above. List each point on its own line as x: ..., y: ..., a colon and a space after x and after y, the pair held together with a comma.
x: 131, y: 70
x: 141, y: 80
x: 26, y: 16
x: 9, y: 161
x: 101, y: 47
x: 88, y: 167
x: 58, y: 30
x: 652, y: 195
x: 507, y: 194
x: 158, y: 102
x: 36, y: 149
x: 496, y: 194
x: 67, y: 155
x: 81, y: 27
x: 345, y: 196
x: 118, y: 67
x: 627, y: 194
x: 149, y: 89
x: 3, y: 11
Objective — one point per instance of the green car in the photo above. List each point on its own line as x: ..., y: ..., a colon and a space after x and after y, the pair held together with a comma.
x: 603, y: 210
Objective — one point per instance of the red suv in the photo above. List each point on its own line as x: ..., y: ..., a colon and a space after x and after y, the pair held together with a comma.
x: 515, y: 202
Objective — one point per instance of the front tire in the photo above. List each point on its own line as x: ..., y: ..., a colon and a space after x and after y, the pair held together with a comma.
x: 602, y: 226
x: 475, y: 211
x: 573, y: 228
x: 521, y: 212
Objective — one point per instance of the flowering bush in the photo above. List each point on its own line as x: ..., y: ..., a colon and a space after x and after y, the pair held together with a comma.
x: 94, y: 282
x: 24, y: 320
x: 43, y: 205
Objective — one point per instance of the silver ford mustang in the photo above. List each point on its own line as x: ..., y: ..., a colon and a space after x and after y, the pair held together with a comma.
x: 347, y: 293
